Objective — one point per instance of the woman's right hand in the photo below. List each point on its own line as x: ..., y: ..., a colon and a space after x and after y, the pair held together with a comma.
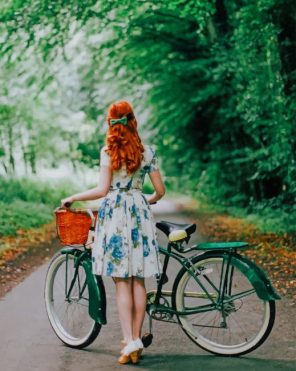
x: 67, y: 202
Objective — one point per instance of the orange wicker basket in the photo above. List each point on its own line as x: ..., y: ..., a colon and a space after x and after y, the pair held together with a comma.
x: 73, y: 225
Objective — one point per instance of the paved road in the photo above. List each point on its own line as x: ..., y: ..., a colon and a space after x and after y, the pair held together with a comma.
x: 27, y: 342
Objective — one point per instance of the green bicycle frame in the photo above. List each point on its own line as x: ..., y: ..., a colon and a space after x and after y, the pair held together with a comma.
x: 97, y: 296
x: 258, y: 278
x: 96, y: 288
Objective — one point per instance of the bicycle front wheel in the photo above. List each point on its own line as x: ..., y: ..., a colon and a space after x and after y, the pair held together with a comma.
x: 67, y: 308
x: 238, y: 324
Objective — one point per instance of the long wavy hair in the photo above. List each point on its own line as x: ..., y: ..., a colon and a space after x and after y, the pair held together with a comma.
x: 123, y: 142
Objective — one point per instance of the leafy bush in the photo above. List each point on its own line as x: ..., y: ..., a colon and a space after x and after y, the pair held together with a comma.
x: 23, y: 215
x: 24, y: 189
x: 268, y: 216
x: 218, y: 79
x: 28, y: 204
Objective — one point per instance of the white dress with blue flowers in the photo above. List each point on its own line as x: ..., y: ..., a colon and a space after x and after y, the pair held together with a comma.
x: 125, y: 238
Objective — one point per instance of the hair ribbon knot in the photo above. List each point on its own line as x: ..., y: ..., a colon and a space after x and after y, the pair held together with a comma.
x: 122, y: 120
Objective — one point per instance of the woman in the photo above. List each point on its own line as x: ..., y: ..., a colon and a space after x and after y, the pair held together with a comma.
x: 125, y: 245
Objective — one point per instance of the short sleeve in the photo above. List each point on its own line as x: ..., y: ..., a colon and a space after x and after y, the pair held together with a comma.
x: 104, y: 158
x: 154, y: 163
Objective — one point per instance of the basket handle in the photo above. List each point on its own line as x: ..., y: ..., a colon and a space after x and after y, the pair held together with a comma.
x: 60, y: 210
x: 93, y: 219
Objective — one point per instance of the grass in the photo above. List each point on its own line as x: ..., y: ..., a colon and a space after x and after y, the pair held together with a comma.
x: 267, y: 218
x: 278, y: 221
x: 23, y: 215
x: 26, y: 204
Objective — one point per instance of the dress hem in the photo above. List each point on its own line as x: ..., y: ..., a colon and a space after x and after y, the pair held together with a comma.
x: 137, y: 276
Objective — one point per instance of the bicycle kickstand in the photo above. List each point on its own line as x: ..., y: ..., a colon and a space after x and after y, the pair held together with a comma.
x: 148, y: 336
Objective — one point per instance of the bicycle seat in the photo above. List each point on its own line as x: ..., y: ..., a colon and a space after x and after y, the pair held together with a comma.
x: 181, y: 231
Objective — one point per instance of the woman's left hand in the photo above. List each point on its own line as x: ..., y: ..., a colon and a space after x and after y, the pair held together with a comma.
x: 68, y: 200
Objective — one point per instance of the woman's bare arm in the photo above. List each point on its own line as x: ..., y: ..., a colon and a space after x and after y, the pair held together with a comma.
x: 158, y: 185
x: 92, y: 194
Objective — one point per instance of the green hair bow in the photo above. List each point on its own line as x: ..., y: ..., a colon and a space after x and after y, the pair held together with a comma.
x: 122, y: 120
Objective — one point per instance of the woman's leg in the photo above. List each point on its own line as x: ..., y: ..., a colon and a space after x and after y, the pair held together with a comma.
x: 139, y: 299
x: 124, y: 298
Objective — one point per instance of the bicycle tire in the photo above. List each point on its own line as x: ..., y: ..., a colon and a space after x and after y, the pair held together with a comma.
x: 199, y: 336
x: 71, y: 340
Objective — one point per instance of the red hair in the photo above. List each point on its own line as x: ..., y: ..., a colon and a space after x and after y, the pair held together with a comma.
x: 123, y: 141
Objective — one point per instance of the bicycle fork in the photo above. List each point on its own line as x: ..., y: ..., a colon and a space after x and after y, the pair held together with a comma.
x: 80, y: 291
x: 94, y: 284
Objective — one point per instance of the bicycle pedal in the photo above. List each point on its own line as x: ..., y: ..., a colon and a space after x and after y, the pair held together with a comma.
x: 165, y: 278
x: 147, y: 339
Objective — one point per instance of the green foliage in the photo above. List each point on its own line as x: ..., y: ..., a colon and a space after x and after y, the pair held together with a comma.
x: 267, y: 216
x: 27, y: 190
x: 216, y: 80
x: 28, y: 204
x: 22, y: 215
x: 148, y: 188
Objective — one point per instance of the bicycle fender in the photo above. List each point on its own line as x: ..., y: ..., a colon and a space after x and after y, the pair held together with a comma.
x: 255, y: 275
x: 70, y: 250
x: 96, y: 289
x: 97, y: 294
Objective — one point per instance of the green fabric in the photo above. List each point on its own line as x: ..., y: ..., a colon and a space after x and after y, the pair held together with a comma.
x: 122, y: 120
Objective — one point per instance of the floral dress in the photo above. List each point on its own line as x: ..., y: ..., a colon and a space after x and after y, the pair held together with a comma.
x: 125, y: 242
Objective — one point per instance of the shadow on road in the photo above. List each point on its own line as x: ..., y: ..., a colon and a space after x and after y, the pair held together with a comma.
x: 208, y: 362
x: 188, y: 362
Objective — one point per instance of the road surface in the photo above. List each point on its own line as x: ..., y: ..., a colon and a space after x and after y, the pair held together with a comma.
x: 27, y: 342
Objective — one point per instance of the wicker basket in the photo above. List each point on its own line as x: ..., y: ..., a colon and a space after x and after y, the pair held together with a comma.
x: 73, y: 225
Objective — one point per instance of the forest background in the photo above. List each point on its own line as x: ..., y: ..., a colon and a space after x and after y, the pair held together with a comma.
x: 212, y: 84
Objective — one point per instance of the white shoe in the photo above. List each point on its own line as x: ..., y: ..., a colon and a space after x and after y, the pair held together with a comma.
x: 140, y: 346
x: 139, y: 343
x: 130, y: 347
x: 130, y: 353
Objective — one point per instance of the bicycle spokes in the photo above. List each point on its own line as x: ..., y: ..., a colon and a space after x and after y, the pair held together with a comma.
x: 78, y: 281
x: 235, y: 317
x: 68, y: 307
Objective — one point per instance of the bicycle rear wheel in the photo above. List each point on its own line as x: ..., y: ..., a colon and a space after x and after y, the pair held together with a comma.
x: 239, y: 326
x: 68, y: 313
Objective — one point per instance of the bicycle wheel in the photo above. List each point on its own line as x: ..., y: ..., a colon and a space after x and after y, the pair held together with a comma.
x: 239, y: 326
x: 69, y: 316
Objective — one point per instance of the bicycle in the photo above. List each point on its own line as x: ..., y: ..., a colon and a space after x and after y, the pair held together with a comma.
x: 222, y: 300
